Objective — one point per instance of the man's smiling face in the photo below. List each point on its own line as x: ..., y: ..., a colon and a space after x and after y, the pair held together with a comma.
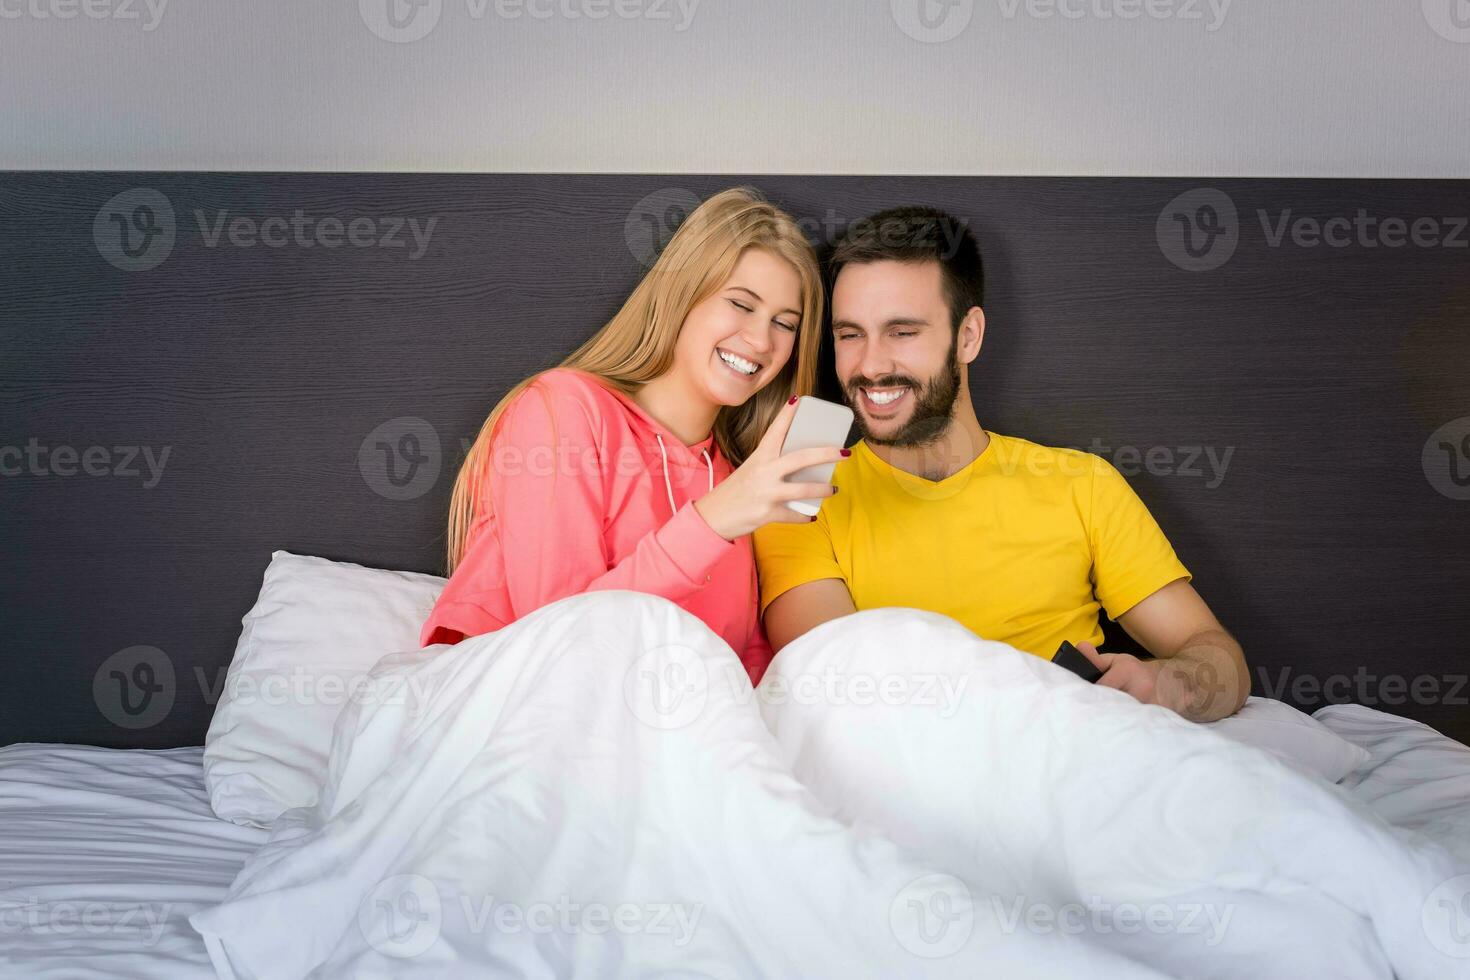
x: 895, y: 350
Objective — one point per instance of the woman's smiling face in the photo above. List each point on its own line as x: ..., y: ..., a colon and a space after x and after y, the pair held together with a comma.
x: 737, y: 340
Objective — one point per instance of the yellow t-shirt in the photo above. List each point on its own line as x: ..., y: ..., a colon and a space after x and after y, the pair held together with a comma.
x: 1023, y: 545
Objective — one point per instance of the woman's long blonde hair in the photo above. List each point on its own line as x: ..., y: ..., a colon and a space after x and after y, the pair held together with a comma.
x: 637, y: 344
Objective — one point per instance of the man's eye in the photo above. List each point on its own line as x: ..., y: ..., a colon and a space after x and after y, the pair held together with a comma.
x: 904, y: 333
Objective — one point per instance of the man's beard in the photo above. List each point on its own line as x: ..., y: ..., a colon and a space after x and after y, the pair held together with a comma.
x: 933, y: 403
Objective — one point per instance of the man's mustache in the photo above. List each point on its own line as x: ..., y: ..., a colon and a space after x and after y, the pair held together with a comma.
x: 887, y: 381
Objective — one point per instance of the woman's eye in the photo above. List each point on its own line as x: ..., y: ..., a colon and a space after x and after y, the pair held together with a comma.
x: 787, y: 326
x: 741, y: 306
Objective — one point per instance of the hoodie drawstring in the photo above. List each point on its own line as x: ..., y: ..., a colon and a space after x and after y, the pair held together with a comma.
x: 668, y: 486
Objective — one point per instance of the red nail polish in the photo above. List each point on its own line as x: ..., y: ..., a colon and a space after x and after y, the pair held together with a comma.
x: 793, y: 400
x: 846, y: 453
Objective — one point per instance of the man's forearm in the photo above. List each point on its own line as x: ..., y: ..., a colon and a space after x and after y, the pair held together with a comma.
x: 1211, y: 676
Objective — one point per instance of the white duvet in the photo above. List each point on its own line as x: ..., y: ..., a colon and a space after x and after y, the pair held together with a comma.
x: 598, y: 791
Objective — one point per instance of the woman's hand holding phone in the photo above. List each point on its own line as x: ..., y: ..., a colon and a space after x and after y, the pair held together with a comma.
x: 757, y: 493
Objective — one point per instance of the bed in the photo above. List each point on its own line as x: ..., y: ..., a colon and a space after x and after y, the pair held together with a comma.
x: 106, y: 852
x: 234, y: 397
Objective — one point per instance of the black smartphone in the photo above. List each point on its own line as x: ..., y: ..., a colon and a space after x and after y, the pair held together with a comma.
x: 1074, y: 660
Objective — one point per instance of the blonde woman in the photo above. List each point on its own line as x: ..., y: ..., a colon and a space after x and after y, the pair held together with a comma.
x: 647, y: 457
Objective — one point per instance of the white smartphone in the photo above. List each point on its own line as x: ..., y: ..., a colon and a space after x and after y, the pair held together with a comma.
x: 818, y: 424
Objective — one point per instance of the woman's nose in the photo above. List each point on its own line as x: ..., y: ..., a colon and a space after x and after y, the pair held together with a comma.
x: 758, y: 339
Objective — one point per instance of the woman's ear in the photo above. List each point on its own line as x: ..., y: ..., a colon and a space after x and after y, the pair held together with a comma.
x: 972, y: 335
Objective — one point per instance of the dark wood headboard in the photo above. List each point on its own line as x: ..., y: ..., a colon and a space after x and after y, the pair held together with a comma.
x: 1297, y: 415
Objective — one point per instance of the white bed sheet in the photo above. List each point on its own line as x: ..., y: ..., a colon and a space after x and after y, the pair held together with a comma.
x: 1415, y: 778
x: 104, y: 855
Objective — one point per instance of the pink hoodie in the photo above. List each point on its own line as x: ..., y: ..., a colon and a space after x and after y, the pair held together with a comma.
x: 586, y: 491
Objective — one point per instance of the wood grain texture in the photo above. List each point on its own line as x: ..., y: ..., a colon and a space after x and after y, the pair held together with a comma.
x: 1323, y: 371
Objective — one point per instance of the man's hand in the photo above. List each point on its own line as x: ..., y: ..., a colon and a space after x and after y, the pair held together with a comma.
x: 1190, y: 687
x: 1200, y: 671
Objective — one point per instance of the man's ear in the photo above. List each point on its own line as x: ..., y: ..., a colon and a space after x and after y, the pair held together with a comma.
x: 971, y: 335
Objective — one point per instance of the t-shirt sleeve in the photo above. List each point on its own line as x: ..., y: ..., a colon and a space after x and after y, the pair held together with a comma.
x: 788, y: 555
x: 1131, y: 557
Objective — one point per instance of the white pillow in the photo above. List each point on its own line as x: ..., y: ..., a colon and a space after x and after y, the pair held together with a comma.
x: 1298, y: 738
x: 316, y: 630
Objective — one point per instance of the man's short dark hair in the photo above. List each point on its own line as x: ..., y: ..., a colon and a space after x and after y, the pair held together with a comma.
x: 917, y: 234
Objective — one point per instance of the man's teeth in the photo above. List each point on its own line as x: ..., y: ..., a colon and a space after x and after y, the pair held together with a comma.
x: 739, y: 363
x: 883, y: 396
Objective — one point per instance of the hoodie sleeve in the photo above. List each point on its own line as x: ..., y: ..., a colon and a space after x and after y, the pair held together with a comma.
x: 546, y: 489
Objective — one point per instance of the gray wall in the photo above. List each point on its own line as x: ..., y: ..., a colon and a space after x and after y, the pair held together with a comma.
x: 264, y: 373
x: 1360, y: 88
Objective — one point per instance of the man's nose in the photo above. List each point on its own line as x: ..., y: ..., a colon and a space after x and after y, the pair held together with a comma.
x: 875, y: 362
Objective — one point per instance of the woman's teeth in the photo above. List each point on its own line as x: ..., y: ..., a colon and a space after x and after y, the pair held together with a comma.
x: 884, y: 396
x: 738, y: 363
